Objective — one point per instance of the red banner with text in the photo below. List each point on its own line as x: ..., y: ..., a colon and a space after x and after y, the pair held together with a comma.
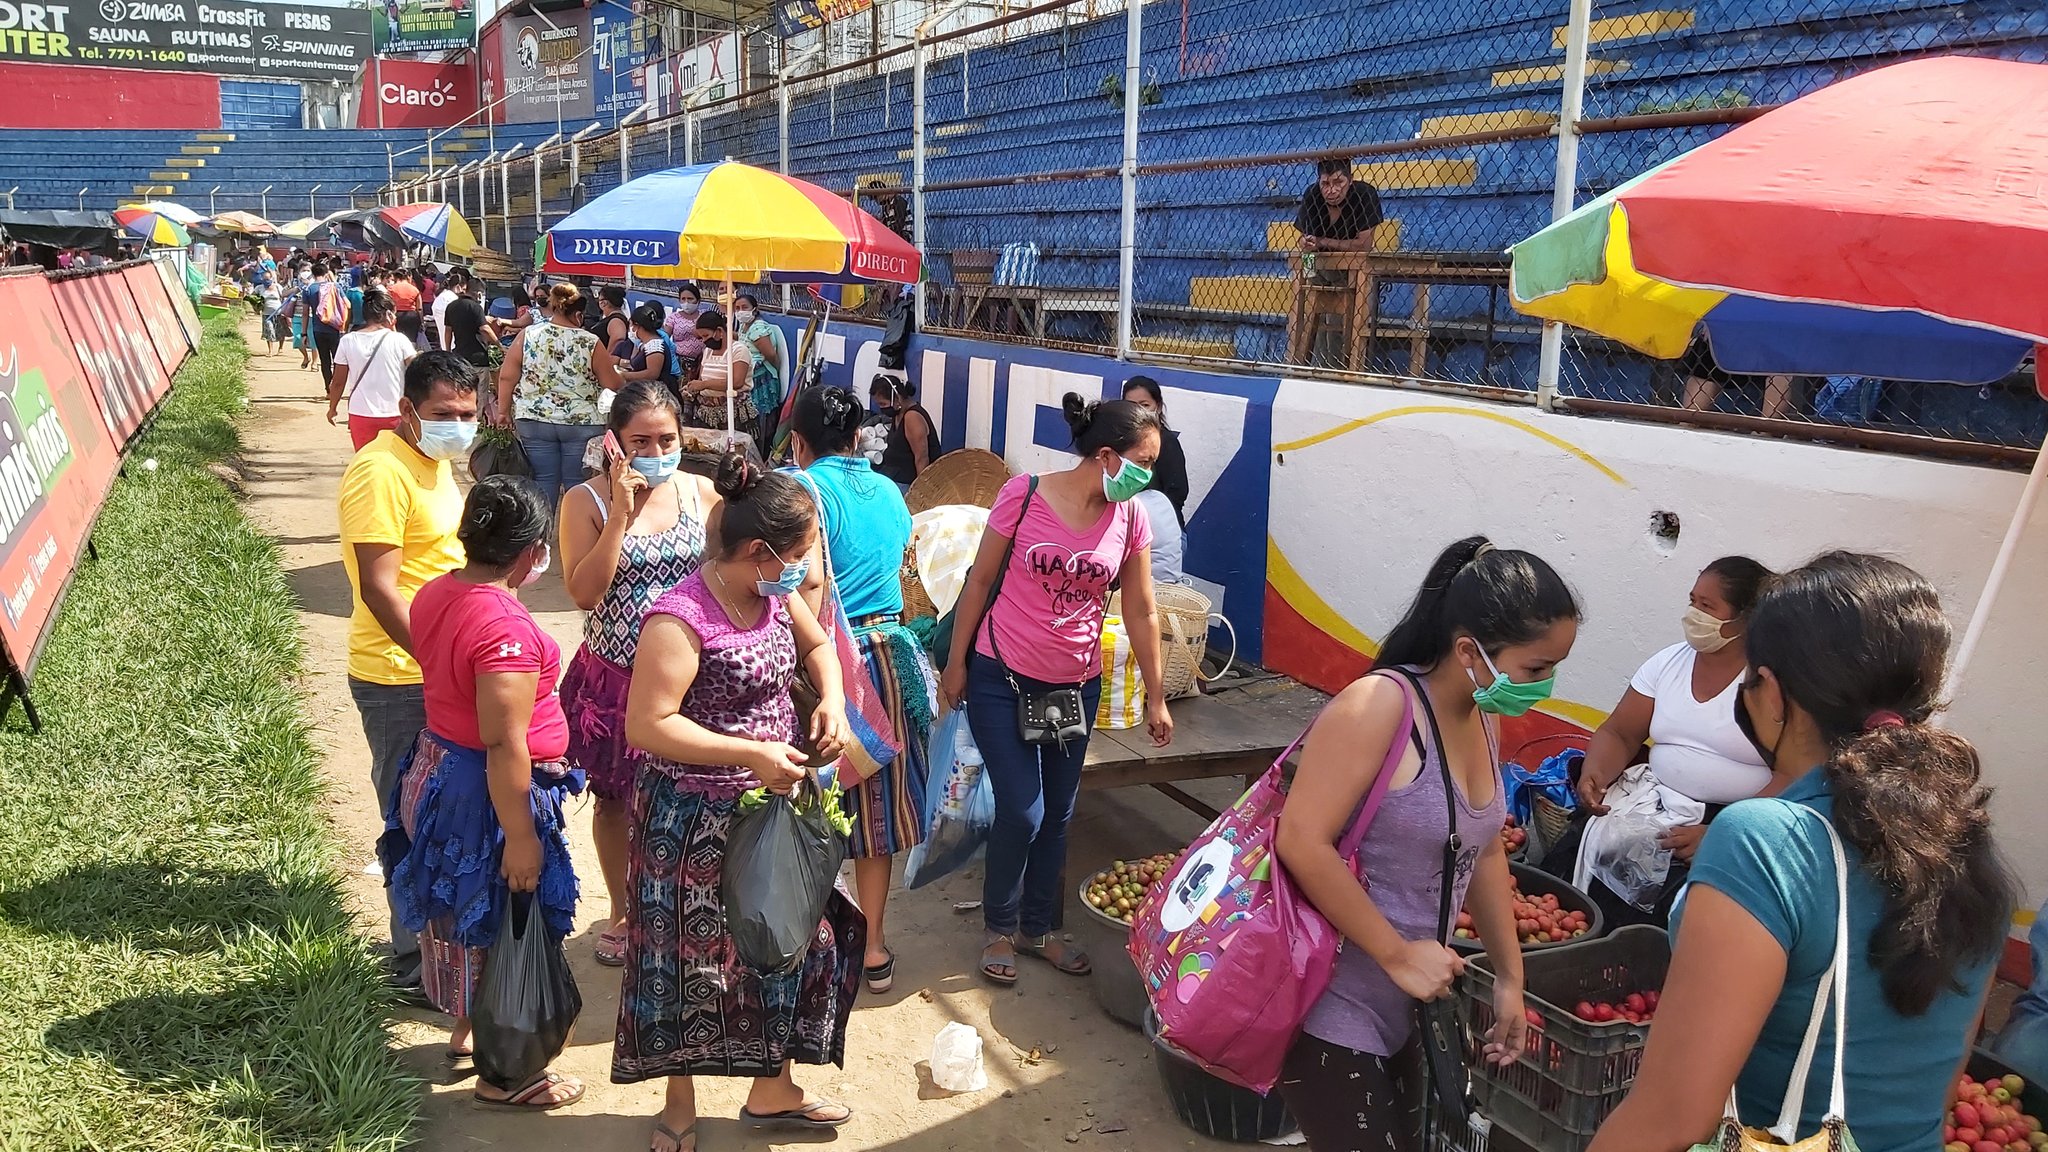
x: 57, y: 461
x: 416, y: 94
x: 119, y: 360
x: 158, y: 316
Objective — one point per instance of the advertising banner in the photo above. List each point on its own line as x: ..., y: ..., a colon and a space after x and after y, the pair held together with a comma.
x: 712, y: 65
x: 159, y: 319
x: 544, y: 69
x: 619, y: 46
x: 56, y: 463
x: 796, y: 17
x: 398, y: 26
x: 119, y: 361
x: 171, y: 273
x: 490, y: 73
x: 416, y: 94
x: 304, y: 41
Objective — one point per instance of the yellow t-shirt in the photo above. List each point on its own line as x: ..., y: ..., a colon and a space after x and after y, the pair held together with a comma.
x: 390, y: 494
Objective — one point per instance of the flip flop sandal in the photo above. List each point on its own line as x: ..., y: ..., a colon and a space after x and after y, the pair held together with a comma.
x: 881, y: 977
x: 663, y: 1130
x: 533, y: 1095
x: 1073, y: 961
x: 611, y: 949
x: 991, y: 960
x: 460, y: 1062
x: 797, y: 1117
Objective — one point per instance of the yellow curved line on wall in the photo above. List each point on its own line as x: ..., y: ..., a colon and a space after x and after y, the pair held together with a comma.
x: 1452, y: 410
x: 1293, y: 588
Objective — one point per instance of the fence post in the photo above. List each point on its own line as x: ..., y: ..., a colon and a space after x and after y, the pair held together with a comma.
x: 1127, y: 250
x: 539, y: 217
x: 1550, y: 358
x: 918, y: 57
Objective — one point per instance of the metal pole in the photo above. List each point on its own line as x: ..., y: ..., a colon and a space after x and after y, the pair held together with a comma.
x: 310, y: 210
x: 263, y: 198
x: 81, y: 197
x: 1127, y: 251
x: 917, y: 229
x: 212, y: 201
x: 10, y: 196
x: 377, y: 91
x: 391, y: 165
x: 626, y: 174
x: 539, y: 220
x: 1550, y: 356
x: 689, y: 139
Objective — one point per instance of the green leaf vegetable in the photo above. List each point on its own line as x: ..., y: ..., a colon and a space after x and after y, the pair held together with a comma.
x: 835, y: 812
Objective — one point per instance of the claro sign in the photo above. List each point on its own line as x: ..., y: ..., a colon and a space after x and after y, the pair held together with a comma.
x: 411, y: 94
x: 303, y: 40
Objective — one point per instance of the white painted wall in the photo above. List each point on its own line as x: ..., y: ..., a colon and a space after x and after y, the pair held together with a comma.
x: 1361, y: 515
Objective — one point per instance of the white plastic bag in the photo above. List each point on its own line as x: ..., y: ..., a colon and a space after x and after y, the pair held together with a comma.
x: 956, y: 1059
x: 1623, y: 849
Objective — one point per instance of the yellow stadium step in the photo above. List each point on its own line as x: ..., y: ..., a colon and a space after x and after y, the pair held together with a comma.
x: 1635, y: 26
x: 184, y: 162
x: 1182, y: 346
x: 1408, y: 174
x: 170, y: 175
x: 929, y: 152
x: 1472, y: 122
x: 152, y: 189
x: 476, y: 133
x: 1272, y: 295
x: 1281, y: 236
x: 215, y: 137
x: 456, y: 146
x: 1552, y: 73
x: 945, y: 130
x: 895, y: 179
x: 200, y: 150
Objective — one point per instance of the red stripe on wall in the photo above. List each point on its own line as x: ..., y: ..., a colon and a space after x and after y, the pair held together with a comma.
x: 70, y: 96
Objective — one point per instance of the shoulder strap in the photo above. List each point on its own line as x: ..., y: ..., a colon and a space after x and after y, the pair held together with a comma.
x: 1347, y: 848
x: 1834, y: 984
x: 604, y: 513
x: 996, y: 589
x: 1452, y: 843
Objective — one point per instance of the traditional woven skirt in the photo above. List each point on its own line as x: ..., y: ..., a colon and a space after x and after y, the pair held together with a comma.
x: 593, y: 693
x: 687, y: 1005
x: 888, y: 807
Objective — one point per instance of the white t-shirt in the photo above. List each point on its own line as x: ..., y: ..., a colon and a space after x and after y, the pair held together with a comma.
x: 1696, y: 748
x: 376, y: 359
x: 1166, y: 538
x: 441, y: 303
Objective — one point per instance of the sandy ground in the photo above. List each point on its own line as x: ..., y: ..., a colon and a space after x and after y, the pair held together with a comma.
x: 1092, y: 1085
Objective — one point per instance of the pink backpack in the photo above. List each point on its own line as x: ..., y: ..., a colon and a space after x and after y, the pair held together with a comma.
x: 1231, y: 955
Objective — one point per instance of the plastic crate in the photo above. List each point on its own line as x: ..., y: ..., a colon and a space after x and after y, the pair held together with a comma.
x: 1576, y: 1072
x: 1533, y: 881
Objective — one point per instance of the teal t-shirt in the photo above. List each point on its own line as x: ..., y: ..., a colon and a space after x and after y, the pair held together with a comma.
x: 767, y: 390
x: 867, y: 527
x: 1775, y: 862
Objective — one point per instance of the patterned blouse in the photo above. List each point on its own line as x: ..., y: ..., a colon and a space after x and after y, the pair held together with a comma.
x: 556, y: 385
x: 649, y: 565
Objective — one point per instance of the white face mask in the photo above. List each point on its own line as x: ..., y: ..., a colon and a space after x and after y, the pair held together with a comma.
x: 1703, y: 632
x: 539, y: 569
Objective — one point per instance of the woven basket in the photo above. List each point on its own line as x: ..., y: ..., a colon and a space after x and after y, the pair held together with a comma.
x: 1184, y: 618
x: 916, y: 604
x: 1552, y: 821
x: 963, y: 476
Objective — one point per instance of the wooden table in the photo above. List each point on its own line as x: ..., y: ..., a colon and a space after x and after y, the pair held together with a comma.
x: 1237, y: 731
x: 1367, y: 271
x: 1026, y: 309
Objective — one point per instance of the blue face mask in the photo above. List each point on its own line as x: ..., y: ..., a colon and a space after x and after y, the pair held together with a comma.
x: 792, y: 577
x: 445, y: 439
x: 658, y: 468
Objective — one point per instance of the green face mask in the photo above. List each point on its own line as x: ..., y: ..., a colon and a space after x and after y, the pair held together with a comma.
x: 1130, y: 479
x: 1504, y: 697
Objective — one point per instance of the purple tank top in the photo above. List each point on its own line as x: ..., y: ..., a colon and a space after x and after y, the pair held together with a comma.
x: 1402, y: 855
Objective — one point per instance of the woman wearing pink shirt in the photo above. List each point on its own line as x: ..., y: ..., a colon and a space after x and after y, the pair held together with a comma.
x: 1029, y: 625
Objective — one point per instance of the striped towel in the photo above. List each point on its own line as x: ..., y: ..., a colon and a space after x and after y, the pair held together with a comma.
x: 1017, y: 267
x: 946, y: 538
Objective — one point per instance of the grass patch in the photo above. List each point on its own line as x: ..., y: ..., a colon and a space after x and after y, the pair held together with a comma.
x: 178, y: 967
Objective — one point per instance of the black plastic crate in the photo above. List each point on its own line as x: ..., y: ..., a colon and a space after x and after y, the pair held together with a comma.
x: 1533, y: 881
x: 1576, y: 1072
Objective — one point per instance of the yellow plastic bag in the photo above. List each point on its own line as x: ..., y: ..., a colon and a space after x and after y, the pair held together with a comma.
x: 1123, y: 686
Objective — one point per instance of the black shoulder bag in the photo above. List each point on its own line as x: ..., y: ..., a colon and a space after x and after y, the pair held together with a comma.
x: 1436, y: 1021
x: 1050, y: 714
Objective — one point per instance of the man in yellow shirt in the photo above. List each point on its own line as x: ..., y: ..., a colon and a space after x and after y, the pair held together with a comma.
x: 400, y: 508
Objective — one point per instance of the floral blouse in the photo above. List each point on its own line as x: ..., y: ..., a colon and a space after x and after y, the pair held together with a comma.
x: 556, y: 385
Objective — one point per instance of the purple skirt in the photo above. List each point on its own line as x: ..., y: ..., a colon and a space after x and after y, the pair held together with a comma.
x: 593, y: 695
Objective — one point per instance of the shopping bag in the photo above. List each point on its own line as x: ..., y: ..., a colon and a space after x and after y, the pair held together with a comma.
x: 959, y: 806
x: 498, y: 453
x: 781, y: 859
x: 526, y: 999
x: 1123, y: 686
x: 1231, y: 956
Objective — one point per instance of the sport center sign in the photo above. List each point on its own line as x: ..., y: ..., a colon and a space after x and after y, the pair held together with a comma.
x: 300, y: 41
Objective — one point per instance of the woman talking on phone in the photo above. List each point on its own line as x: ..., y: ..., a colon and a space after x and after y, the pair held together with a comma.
x: 628, y: 536
x: 1028, y: 632
x: 1482, y: 639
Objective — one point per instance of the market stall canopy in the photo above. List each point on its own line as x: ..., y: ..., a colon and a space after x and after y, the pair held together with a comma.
x: 1889, y: 225
x: 92, y: 231
x: 170, y: 210
x: 727, y: 220
x: 301, y: 229
x: 364, y: 228
x: 435, y: 225
x: 151, y: 227
x: 246, y: 223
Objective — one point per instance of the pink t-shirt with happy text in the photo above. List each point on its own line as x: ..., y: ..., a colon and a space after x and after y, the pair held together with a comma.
x: 1047, y: 619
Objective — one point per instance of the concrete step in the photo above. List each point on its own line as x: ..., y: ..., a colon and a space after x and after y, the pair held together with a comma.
x: 1282, y: 236
x: 1552, y: 73
x: 1242, y: 294
x: 1487, y: 122
x: 1181, y: 346
x: 200, y: 150
x: 1635, y: 26
x: 474, y: 133
x: 152, y: 189
x: 215, y: 137
x: 184, y: 162
x: 170, y: 175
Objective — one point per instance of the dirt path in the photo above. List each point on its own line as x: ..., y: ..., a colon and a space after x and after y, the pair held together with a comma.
x: 1093, y: 1086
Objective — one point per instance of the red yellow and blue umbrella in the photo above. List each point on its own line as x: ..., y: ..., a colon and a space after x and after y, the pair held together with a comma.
x: 723, y: 221
x: 435, y: 225
x: 151, y: 227
x: 1889, y: 225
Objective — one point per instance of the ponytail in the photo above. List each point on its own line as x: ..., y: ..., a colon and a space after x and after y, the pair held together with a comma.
x: 1498, y: 596
x: 1860, y: 644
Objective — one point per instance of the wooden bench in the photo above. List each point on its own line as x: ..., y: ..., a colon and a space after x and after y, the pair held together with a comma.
x: 1023, y: 309
x: 1238, y: 731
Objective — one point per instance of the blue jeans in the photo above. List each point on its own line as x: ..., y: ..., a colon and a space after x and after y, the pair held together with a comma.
x: 1034, y: 786
x: 2023, y: 1043
x: 556, y: 453
x: 393, y: 715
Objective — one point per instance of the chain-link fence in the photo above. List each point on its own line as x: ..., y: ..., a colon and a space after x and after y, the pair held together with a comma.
x: 1324, y: 188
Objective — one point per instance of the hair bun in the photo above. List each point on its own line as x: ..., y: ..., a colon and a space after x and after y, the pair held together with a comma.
x: 737, y: 476
x: 842, y: 411
x: 1079, y: 413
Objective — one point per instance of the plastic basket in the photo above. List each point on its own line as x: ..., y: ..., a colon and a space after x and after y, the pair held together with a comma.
x: 1535, y: 882
x: 1576, y: 1072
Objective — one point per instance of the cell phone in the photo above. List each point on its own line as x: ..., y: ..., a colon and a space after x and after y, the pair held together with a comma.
x: 612, y: 451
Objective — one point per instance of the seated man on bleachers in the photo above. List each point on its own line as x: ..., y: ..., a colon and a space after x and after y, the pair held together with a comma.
x: 1338, y: 214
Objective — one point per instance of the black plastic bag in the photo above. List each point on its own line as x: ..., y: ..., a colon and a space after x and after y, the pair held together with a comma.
x: 498, y: 454
x: 526, y: 999
x: 780, y: 861
x: 900, y: 324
